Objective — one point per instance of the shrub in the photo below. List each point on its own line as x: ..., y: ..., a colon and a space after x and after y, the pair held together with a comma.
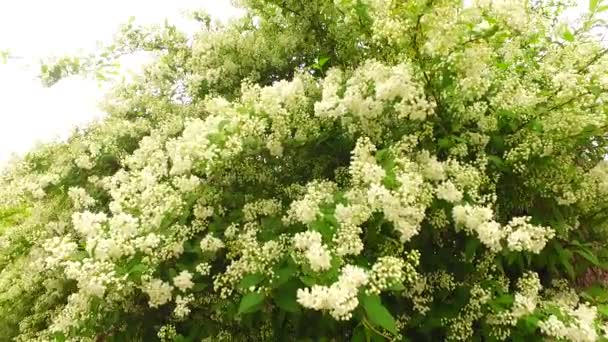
x: 350, y: 170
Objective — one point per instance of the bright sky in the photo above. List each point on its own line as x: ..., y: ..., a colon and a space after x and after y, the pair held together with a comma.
x: 33, y: 29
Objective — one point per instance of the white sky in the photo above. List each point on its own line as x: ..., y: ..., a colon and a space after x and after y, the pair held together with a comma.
x: 33, y: 29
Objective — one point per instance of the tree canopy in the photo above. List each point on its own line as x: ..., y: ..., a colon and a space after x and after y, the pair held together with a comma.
x: 347, y: 170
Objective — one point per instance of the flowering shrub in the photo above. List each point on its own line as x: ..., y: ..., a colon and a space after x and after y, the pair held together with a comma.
x: 351, y: 170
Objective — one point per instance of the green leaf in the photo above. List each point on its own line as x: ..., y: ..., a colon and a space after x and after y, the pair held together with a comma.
x: 445, y: 143
x: 602, y: 8
x: 323, y: 227
x: 502, y: 302
x: 390, y: 180
x: 378, y: 314
x: 322, y: 61
x: 285, y: 297
x: 536, y: 126
x: 251, y: 302
x: 565, y: 33
x: 589, y: 256
x: 283, y: 275
x: 358, y: 334
x: 308, y: 281
x: 530, y: 323
x: 397, y: 287
x: 593, y: 5
x: 250, y: 280
x: 287, y: 302
x: 272, y: 223
x: 470, y: 248
x: 596, y: 294
x: 198, y: 287
x: 564, y: 257
x: 136, y: 271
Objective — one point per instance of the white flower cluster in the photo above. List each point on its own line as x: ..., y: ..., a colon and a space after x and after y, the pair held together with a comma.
x: 527, y: 296
x: 317, y: 254
x: 247, y: 255
x: 199, y: 143
x: 204, y: 268
x: 59, y: 249
x: 339, y: 299
x: 211, y: 244
x: 80, y: 198
x: 580, y: 327
x: 363, y: 167
x: 387, y: 27
x: 93, y: 277
x: 182, y: 310
x: 307, y: 209
x: 388, y: 271
x: 361, y: 109
x: 158, y: 291
x: 480, y: 220
x: 514, y: 13
x: 183, y: 281
x: 449, y: 192
x: 404, y: 206
x: 600, y: 174
x: 524, y: 236
x: 260, y: 208
x: 350, y: 217
x: 519, y: 233
x: 89, y: 224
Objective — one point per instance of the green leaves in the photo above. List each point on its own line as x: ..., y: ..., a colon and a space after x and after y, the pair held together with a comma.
x: 4, y: 54
x: 285, y: 297
x: 250, y: 280
x: 498, y: 163
x: 377, y: 313
x: 320, y: 64
x: 565, y: 33
x: 324, y: 226
x: 251, y: 302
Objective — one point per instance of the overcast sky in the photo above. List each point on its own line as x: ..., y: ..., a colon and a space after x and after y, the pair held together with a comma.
x: 33, y: 29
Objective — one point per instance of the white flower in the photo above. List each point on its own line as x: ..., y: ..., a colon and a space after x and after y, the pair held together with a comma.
x: 319, y: 257
x: 448, y: 191
x: 340, y: 299
x: 211, y: 244
x: 181, y: 306
x: 305, y: 239
x: 183, y: 281
x: 317, y: 254
x: 523, y: 305
x: 490, y: 234
x: 80, y: 198
x: 88, y: 223
x: 124, y: 224
x: 204, y: 268
x: 353, y: 276
x: 147, y: 243
x: 158, y: 291
x: 526, y: 236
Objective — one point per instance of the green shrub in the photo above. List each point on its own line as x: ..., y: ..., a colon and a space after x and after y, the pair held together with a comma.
x: 325, y: 170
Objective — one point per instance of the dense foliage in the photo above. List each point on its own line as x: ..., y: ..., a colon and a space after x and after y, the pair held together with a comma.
x: 348, y: 170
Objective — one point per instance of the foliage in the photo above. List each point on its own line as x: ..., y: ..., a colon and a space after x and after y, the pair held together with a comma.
x: 361, y: 170
x: 4, y: 54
